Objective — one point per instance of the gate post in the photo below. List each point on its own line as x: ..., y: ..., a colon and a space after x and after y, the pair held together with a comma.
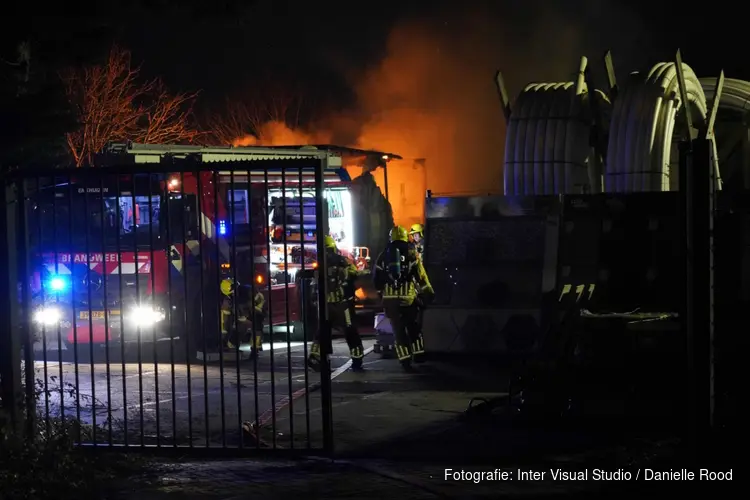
x: 10, y: 333
x: 324, y: 325
x: 697, y: 190
x: 27, y: 341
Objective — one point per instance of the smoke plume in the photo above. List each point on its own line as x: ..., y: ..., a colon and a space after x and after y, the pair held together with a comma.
x: 433, y: 95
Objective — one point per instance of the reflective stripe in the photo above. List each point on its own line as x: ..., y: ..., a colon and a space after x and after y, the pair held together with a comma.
x: 224, y: 316
x: 418, y: 346
x: 357, y: 353
x: 336, y: 296
x: 403, y: 353
x: 315, y: 350
x: 347, y: 317
x: 406, y: 290
x: 579, y: 290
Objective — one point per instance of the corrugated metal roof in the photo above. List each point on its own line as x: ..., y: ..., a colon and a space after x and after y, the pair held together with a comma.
x: 332, y: 155
x: 142, y: 152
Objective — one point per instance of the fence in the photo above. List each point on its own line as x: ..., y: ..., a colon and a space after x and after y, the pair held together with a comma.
x: 167, y: 306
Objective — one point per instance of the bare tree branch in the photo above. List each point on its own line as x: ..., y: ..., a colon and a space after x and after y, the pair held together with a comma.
x: 112, y: 104
x: 246, y: 116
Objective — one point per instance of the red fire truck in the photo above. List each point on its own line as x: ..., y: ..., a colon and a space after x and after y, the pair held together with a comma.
x: 158, y: 244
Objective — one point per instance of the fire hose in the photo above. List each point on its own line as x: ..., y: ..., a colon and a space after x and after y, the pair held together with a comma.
x: 547, y: 142
x: 642, y: 129
x: 735, y: 94
x: 548, y: 148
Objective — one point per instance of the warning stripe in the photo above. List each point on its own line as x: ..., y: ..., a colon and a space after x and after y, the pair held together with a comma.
x: 110, y: 266
x: 129, y: 268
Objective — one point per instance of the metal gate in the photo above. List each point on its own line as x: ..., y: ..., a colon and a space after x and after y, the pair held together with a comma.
x: 168, y: 305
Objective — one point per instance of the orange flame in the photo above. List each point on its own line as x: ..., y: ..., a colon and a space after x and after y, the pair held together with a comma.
x: 276, y: 133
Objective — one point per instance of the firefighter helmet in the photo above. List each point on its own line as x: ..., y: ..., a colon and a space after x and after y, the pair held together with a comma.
x: 398, y: 233
x: 417, y: 229
x: 329, y: 242
x: 227, y: 286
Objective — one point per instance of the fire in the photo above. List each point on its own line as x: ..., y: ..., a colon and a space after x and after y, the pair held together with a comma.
x: 276, y: 133
x: 433, y: 97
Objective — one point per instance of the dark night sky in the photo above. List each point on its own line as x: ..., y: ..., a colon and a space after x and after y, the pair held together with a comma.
x: 413, y: 65
x: 218, y: 46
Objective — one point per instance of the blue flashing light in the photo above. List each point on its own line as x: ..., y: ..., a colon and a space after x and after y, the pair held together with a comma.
x: 222, y: 228
x: 58, y: 284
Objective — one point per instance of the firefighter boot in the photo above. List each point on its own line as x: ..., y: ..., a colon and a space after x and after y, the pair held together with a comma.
x: 226, y: 342
x: 404, y: 357
x: 313, y: 359
x: 417, y: 349
x: 357, y: 354
x: 257, y: 344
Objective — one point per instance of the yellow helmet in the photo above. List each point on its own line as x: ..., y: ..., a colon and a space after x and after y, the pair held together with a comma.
x: 329, y: 242
x: 227, y: 286
x: 417, y: 229
x: 398, y: 233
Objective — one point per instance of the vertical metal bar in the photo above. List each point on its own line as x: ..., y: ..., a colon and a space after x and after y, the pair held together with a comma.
x: 687, y: 312
x: 186, y: 330
x: 321, y: 214
x: 91, y: 312
x: 204, y: 263
x: 73, y: 280
x: 503, y: 93
x: 714, y: 183
x: 170, y: 324
x: 257, y: 329
x: 39, y: 255
x: 217, y: 223
x: 287, y: 319
x: 267, y: 204
x: 138, y: 330
x: 304, y: 291
x: 27, y: 343
x: 684, y: 96
x: 700, y: 291
x: 57, y: 298
x: 233, y: 267
x: 609, y: 67
x: 152, y: 277
x: 10, y: 342
x: 152, y: 288
x: 120, y: 304
x: 105, y: 276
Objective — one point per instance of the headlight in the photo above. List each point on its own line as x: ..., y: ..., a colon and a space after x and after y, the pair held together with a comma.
x: 47, y: 316
x: 146, y: 316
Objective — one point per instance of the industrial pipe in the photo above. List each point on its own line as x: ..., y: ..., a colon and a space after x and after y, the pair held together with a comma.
x: 642, y: 129
x: 547, y: 142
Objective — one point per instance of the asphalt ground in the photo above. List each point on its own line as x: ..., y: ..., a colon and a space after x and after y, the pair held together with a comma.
x: 201, y: 404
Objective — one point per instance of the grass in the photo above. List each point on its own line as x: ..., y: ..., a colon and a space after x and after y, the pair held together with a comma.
x: 49, y: 464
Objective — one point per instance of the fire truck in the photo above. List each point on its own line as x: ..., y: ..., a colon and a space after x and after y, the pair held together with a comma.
x: 122, y: 257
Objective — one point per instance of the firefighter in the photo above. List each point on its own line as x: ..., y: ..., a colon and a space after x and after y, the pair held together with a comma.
x: 250, y: 314
x: 416, y: 236
x: 340, y: 274
x: 402, y: 281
